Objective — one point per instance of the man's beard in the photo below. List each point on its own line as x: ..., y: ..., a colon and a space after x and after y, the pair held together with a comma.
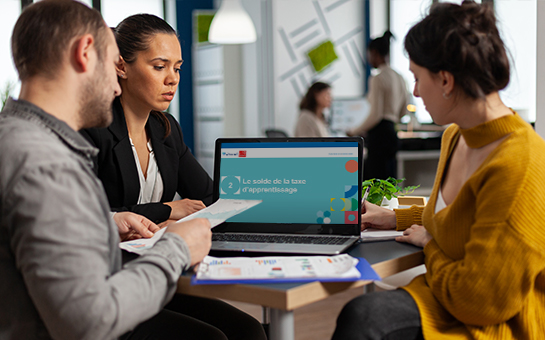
x: 96, y: 102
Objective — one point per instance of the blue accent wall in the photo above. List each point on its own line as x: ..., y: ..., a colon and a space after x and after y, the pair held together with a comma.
x: 367, y: 23
x: 184, y: 17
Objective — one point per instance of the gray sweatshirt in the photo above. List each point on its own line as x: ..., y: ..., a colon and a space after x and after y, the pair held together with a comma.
x: 60, y: 264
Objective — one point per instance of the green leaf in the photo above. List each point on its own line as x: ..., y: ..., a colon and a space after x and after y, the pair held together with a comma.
x: 390, y: 187
x: 375, y: 198
x: 367, y: 183
x: 409, y: 190
x: 380, y: 188
x: 6, y: 92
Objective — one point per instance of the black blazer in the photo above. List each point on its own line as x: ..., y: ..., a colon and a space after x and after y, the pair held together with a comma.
x: 116, y: 167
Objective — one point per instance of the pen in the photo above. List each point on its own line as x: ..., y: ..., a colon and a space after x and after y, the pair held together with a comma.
x: 365, y: 195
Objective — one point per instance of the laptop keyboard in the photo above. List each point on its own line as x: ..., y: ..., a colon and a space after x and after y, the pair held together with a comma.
x: 332, y: 240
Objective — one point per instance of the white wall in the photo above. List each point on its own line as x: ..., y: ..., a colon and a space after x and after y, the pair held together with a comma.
x: 272, y: 81
x: 518, y: 31
x: 403, y: 15
x: 299, y: 26
x: 378, y: 18
x: 114, y: 11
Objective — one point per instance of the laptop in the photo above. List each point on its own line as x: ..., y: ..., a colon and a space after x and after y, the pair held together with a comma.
x: 310, y: 188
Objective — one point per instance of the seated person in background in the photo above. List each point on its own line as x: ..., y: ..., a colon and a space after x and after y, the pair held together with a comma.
x: 60, y: 264
x: 484, y: 243
x: 311, y: 122
x: 388, y: 98
x: 143, y: 160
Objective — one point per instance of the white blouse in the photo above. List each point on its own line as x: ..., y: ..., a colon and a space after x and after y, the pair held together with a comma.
x: 309, y: 125
x: 440, y: 204
x: 388, y: 99
x: 151, y: 186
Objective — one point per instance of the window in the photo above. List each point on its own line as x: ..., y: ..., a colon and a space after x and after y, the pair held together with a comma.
x: 114, y: 11
x: 11, y: 9
x: 517, y: 23
x: 518, y: 31
x: 403, y: 15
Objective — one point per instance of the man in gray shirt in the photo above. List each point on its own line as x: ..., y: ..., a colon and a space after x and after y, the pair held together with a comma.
x: 60, y: 264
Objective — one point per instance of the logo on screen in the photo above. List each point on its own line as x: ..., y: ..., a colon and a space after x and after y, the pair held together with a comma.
x: 242, y: 153
x: 230, y: 185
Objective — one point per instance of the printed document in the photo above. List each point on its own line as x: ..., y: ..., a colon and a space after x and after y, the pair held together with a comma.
x: 277, y: 267
x: 216, y: 213
x: 371, y: 234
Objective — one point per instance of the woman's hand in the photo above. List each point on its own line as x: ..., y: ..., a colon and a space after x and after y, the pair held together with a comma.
x: 182, y: 208
x: 166, y: 223
x: 377, y: 217
x: 416, y: 234
x: 133, y: 226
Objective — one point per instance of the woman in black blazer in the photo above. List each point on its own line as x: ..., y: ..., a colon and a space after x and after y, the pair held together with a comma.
x: 143, y: 162
x: 116, y: 167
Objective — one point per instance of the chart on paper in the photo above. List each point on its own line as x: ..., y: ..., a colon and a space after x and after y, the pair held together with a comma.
x: 223, y: 209
x: 275, y: 267
x: 216, y: 213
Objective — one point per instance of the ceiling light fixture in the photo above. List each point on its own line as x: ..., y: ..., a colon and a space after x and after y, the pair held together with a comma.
x: 232, y: 25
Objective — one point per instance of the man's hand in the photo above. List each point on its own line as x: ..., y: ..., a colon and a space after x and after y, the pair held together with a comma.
x: 196, y: 233
x: 416, y: 234
x: 377, y: 217
x: 182, y: 208
x: 132, y: 226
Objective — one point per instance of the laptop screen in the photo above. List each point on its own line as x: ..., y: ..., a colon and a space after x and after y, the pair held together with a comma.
x: 303, y: 183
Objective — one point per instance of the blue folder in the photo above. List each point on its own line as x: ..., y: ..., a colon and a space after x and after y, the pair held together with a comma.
x: 365, y: 269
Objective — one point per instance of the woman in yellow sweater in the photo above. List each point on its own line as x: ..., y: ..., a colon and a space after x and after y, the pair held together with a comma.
x: 483, y: 229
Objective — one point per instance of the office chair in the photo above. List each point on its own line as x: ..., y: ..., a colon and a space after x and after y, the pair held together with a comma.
x: 272, y: 133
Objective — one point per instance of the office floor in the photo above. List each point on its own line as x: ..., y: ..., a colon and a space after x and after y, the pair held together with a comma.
x: 317, y: 321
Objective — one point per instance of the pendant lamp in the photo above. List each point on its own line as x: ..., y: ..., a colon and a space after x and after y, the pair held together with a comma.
x: 231, y: 25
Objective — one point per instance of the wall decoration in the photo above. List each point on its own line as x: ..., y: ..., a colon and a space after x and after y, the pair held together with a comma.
x: 303, y: 25
x: 322, y: 55
x: 203, y: 26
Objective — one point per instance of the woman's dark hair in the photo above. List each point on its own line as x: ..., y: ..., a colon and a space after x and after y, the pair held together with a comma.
x: 463, y: 40
x: 133, y: 35
x: 381, y: 44
x: 309, y: 100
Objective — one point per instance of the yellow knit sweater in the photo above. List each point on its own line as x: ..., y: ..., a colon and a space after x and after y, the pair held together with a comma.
x: 486, y: 262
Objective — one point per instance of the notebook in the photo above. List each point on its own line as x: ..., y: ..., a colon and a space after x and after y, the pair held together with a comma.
x: 310, y: 188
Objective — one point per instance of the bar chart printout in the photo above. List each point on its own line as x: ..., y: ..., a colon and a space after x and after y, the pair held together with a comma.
x: 275, y: 267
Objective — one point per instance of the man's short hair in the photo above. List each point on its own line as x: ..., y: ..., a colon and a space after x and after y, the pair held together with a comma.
x: 44, y: 31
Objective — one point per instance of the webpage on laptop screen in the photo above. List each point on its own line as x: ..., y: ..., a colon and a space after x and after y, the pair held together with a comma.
x: 298, y: 182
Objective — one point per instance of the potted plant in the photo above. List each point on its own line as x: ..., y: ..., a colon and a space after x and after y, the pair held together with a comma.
x: 385, y: 188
